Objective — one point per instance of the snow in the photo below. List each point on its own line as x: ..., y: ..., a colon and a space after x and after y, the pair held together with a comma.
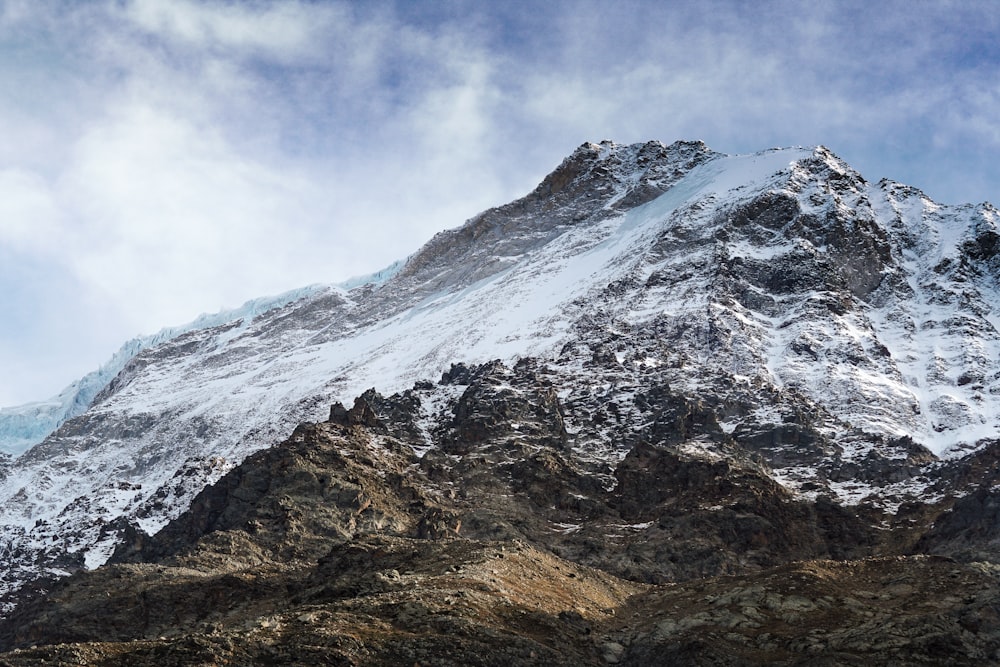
x: 566, y: 527
x: 888, y: 497
x: 24, y: 426
x: 930, y: 352
x: 433, y: 411
x: 374, y: 279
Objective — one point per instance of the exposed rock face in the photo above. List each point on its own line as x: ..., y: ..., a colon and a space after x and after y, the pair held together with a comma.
x: 970, y: 530
x: 343, y: 545
x: 492, y: 408
x: 900, y: 611
x: 591, y: 185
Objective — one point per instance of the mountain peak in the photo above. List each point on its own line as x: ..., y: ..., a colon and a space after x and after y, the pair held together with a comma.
x: 636, y: 172
x: 595, y: 182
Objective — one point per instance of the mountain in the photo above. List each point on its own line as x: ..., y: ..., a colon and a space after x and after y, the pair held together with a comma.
x: 661, y: 365
x: 24, y: 426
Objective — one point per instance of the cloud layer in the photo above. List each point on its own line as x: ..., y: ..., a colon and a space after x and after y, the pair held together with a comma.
x: 163, y: 158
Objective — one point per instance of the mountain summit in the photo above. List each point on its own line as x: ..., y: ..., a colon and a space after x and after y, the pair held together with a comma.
x: 836, y: 337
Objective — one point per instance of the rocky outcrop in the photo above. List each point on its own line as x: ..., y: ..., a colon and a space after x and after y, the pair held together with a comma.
x: 342, y: 546
x: 969, y: 530
x: 899, y: 611
x: 498, y: 405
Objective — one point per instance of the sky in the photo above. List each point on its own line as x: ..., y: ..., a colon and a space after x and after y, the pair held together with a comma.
x: 160, y: 159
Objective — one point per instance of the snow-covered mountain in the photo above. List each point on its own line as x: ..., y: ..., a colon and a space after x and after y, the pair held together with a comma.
x: 845, y: 332
x: 23, y: 426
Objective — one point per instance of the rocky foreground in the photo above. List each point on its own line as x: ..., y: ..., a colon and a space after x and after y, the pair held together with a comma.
x: 352, y: 543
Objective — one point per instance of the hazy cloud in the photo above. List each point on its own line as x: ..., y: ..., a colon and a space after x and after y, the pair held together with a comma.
x: 285, y: 30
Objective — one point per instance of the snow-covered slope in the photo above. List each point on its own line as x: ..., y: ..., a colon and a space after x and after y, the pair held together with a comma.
x: 781, y: 287
x: 26, y: 425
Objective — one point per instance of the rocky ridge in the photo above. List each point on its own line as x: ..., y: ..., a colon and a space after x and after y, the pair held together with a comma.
x: 344, y: 545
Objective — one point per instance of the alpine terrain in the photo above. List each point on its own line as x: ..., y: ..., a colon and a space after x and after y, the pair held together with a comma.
x: 671, y: 407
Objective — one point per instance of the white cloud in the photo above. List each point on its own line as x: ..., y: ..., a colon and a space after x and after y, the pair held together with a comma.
x: 171, y: 216
x: 280, y: 29
x: 29, y: 217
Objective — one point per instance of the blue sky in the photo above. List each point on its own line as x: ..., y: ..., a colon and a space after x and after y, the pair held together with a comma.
x: 164, y: 158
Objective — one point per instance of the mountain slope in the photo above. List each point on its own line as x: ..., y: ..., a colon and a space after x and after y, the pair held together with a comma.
x: 839, y: 331
x: 24, y: 426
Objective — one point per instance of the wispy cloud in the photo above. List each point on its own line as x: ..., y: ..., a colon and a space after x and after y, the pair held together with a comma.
x: 287, y: 31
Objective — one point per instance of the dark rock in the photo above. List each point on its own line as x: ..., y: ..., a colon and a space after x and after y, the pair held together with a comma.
x: 338, y: 414
x: 502, y: 404
x: 969, y: 531
x: 335, y: 547
x: 363, y: 413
